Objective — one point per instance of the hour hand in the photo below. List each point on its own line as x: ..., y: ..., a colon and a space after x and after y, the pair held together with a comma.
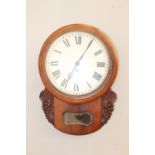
x: 70, y: 75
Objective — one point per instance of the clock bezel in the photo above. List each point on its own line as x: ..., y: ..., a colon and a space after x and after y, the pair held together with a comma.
x: 105, y: 85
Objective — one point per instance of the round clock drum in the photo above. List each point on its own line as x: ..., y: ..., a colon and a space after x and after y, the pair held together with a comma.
x: 78, y: 65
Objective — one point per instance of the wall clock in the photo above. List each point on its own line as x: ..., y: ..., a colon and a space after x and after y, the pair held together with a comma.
x: 78, y: 65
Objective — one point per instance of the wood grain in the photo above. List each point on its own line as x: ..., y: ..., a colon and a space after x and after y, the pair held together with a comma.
x: 101, y: 110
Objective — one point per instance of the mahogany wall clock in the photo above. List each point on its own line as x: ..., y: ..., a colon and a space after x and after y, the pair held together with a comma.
x: 78, y: 65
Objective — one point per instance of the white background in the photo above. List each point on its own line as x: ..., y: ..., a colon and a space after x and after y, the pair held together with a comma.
x: 13, y: 82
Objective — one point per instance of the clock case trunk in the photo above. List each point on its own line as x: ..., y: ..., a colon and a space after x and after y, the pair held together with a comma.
x: 82, y: 118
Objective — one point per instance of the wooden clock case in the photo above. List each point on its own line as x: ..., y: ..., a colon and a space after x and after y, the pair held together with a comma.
x: 100, y: 103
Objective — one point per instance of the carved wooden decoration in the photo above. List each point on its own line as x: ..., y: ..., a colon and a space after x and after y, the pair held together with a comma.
x: 78, y: 65
x: 107, y: 106
x: 48, y: 105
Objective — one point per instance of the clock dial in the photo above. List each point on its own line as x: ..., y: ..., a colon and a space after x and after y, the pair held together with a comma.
x: 77, y: 63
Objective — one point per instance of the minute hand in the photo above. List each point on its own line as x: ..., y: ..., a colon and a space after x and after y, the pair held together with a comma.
x: 85, y: 51
x: 78, y: 62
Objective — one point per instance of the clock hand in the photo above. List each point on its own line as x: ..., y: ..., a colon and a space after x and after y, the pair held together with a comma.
x: 70, y: 75
x: 84, y: 52
x: 77, y: 63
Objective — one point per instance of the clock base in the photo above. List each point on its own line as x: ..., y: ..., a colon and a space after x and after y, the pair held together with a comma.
x: 78, y: 119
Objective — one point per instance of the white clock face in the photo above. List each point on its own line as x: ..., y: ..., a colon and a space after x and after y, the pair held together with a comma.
x: 77, y: 63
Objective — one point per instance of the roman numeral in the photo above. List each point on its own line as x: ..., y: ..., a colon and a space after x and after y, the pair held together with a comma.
x: 54, y: 63
x: 56, y: 74
x: 66, y: 42
x: 100, y: 64
x: 57, y: 51
x: 76, y: 87
x: 64, y: 83
x: 97, y: 76
x: 98, y: 52
x: 78, y: 40
x: 89, y: 85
